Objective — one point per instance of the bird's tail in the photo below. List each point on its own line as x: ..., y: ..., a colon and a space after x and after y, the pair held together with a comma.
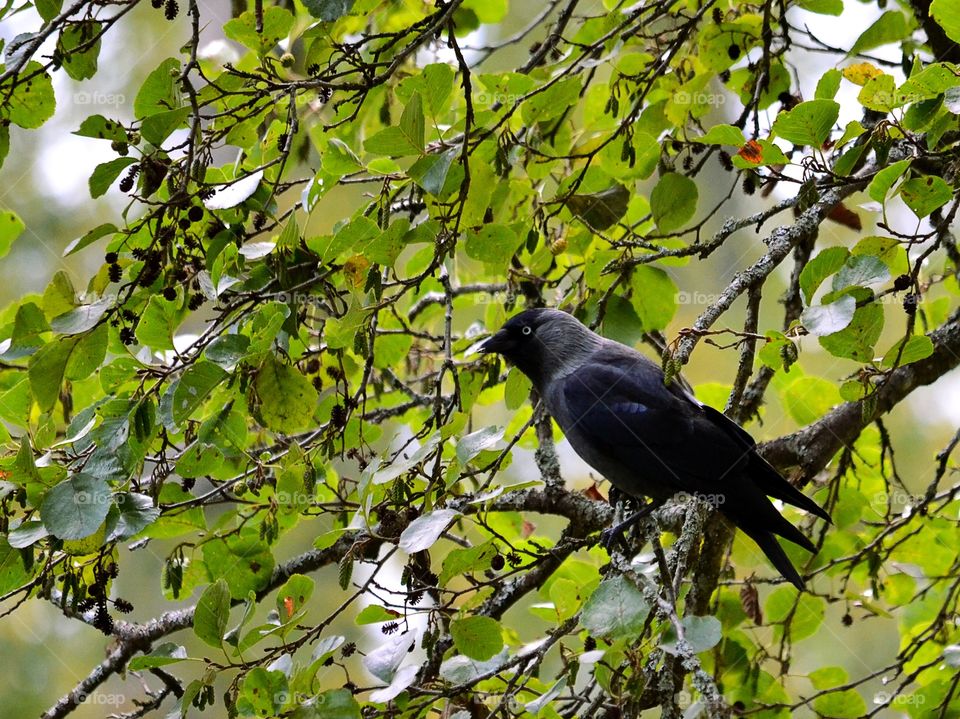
x: 774, y: 484
x: 767, y: 542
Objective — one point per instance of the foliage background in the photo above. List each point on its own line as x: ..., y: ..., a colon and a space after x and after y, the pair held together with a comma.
x: 60, y: 651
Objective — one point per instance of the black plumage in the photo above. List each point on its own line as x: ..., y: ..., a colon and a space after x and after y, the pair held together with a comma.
x: 649, y: 438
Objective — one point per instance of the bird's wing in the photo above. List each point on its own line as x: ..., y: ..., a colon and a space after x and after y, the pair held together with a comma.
x: 768, y: 479
x: 623, y: 411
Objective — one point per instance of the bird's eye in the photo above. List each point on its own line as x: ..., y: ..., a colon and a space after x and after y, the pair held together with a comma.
x: 526, y: 330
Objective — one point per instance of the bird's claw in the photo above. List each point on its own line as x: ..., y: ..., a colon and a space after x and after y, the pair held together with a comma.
x: 612, y: 536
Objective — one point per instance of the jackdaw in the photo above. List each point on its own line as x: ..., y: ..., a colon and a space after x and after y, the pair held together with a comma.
x: 649, y: 438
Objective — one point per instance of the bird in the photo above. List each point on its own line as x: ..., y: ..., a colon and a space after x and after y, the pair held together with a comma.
x: 651, y: 438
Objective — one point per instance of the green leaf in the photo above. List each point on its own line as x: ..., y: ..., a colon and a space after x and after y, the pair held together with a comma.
x: 328, y: 10
x: 32, y: 103
x: 76, y: 507
x: 262, y: 693
x: 287, y: 398
x: 159, y: 91
x: 79, y: 65
x: 473, y: 444
x: 11, y: 226
x: 293, y: 595
x: 882, y: 182
x: 106, y: 173
x: 601, y: 209
x: 13, y: 574
x: 929, y: 83
x: 806, y: 617
x: 809, y: 123
x: 439, y: 81
x: 551, y: 102
x: 157, y: 324
x: 516, y: 390
x: 703, y: 633
x: 492, y: 243
x: 59, y: 296
x: 463, y: 561
x: 888, y: 28
x: 423, y: 532
x: 27, y: 534
x: 654, y: 297
x: 339, y: 703
x: 861, y: 271
x: 81, y: 318
x: 48, y: 9
x: 925, y: 194
x: 390, y: 141
x: 829, y: 82
x: 826, y: 319
x: 4, y: 142
x: 196, y: 383
x: 227, y: 350
x: 277, y: 23
x: 807, y: 399
x: 92, y: 236
x: 161, y: 656
x: 820, y: 268
x: 244, y: 562
x: 157, y: 127
x: 828, y: 677
x: 99, y: 127
x: 46, y: 371
x: 212, y: 614
x: 88, y: 354
x: 615, y: 609
x: 722, y: 135
x: 621, y: 322
x: 339, y: 159
x: 16, y: 402
x: 375, y: 614
x: 847, y: 704
x: 916, y: 348
x: 673, y: 201
x: 412, y: 122
x: 857, y: 339
x: 430, y: 171
x: 477, y: 637
x: 823, y: 7
x: 136, y: 514
x: 947, y: 15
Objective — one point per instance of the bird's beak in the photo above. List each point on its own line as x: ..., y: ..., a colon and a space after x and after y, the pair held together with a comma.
x: 494, y: 344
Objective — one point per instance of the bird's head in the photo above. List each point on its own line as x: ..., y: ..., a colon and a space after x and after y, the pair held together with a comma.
x: 542, y: 343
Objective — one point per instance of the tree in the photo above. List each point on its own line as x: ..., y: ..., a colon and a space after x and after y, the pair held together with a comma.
x: 274, y: 348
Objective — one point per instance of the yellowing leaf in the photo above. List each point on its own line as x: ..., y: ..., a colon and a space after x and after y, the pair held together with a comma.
x: 861, y: 72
